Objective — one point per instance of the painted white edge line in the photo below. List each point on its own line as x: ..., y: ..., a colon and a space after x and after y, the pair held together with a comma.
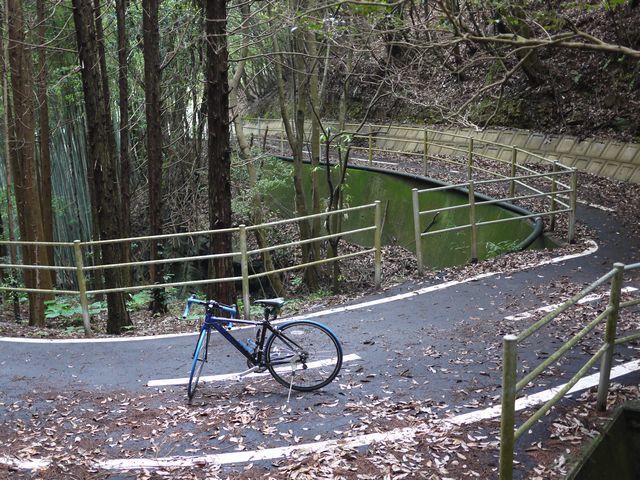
x: 589, y: 204
x: 593, y: 247
x: 350, y: 442
x: 235, y: 376
x: 550, y: 308
x: 36, y: 464
x: 545, y: 395
x: 360, y: 440
x: 93, y: 340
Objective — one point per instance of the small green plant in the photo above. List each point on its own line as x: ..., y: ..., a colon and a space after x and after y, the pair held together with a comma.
x: 139, y: 301
x: 12, y: 281
x: 60, y: 308
x: 296, y: 281
x: 499, y: 248
x: 98, y: 307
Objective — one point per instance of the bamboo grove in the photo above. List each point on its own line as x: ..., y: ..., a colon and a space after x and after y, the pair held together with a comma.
x: 117, y: 116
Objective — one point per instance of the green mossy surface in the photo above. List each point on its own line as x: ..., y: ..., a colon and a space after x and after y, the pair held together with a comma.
x: 439, y: 251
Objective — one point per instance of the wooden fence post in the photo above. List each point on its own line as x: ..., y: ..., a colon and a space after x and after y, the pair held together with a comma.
x: 244, y: 267
x: 508, y: 417
x: 472, y: 222
x: 514, y: 163
x: 370, y: 145
x: 554, y: 205
x: 282, y: 137
x: 377, y: 245
x: 416, y: 228
x: 425, y: 152
x: 610, y: 336
x: 573, y: 200
x: 470, y: 155
x: 82, y: 288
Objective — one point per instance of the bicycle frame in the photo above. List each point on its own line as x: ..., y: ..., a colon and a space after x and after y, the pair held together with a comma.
x: 279, y: 349
x: 255, y: 357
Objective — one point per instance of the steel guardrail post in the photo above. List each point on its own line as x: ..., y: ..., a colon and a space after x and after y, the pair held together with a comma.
x: 472, y: 223
x: 610, y: 336
x: 470, y: 155
x: 514, y: 164
x: 425, y: 152
x: 370, y: 145
x: 244, y: 268
x: 377, y: 244
x: 508, y: 417
x: 416, y: 228
x: 82, y: 288
x: 573, y: 200
x: 554, y: 189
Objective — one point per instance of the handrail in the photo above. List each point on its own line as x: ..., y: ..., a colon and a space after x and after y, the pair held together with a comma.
x: 510, y: 386
x: 389, y: 128
x: 450, y: 147
x: 375, y: 228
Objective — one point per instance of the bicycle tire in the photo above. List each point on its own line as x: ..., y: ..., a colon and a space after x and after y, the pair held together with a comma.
x: 322, y: 356
x: 199, y: 357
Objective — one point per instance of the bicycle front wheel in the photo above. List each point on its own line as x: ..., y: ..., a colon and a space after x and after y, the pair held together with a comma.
x: 199, y: 357
x: 303, y: 355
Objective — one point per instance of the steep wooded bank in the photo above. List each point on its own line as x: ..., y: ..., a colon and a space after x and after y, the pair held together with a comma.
x: 157, y: 157
x: 590, y: 90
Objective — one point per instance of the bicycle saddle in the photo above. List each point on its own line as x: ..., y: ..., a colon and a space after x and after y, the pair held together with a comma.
x: 276, y: 303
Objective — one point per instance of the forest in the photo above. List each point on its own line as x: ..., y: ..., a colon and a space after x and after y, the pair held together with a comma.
x: 124, y: 119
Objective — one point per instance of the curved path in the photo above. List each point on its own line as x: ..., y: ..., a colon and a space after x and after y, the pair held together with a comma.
x: 433, y: 344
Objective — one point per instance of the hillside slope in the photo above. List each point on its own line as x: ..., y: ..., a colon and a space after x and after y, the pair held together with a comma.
x: 581, y: 92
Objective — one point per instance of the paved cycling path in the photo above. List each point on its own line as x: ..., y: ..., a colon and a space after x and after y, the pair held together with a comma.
x: 434, y: 343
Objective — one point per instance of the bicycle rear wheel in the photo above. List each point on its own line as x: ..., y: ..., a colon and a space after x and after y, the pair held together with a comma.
x: 304, y: 355
x: 199, y: 357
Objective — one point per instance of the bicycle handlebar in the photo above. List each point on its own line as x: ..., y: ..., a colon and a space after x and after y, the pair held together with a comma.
x: 233, y: 309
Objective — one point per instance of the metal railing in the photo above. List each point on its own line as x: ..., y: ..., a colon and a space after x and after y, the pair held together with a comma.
x: 243, y: 254
x: 511, y: 386
x: 554, y: 191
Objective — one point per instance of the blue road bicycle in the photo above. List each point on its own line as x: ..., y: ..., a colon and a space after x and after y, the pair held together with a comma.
x: 301, y: 355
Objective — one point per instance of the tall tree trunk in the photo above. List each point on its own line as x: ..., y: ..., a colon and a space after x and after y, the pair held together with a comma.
x: 9, y: 139
x: 314, y: 98
x: 24, y: 163
x: 294, y: 128
x: 533, y: 67
x: 246, y: 156
x: 125, y: 157
x: 101, y: 151
x: 153, y: 113
x: 218, y: 149
x: 45, y: 160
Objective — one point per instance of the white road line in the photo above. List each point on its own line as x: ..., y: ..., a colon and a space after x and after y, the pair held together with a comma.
x: 234, y: 376
x: 593, y: 247
x: 589, y: 204
x: 36, y: 464
x: 257, y: 455
x: 93, y: 340
x: 360, y: 440
x: 550, y: 308
x: 544, y: 396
